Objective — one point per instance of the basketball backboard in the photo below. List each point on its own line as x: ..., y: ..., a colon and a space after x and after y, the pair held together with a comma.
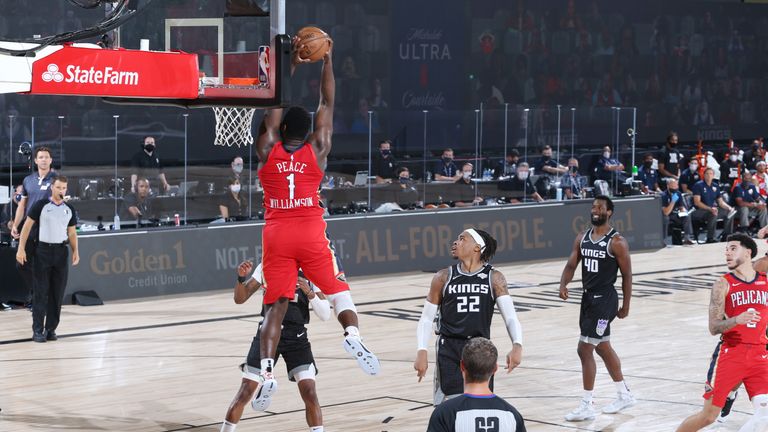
x: 242, y: 60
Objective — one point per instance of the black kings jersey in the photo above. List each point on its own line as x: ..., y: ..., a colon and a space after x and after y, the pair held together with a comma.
x: 598, y: 266
x: 468, y: 302
x: 297, y: 314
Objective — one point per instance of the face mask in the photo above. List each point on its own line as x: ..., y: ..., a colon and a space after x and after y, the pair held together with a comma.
x: 573, y: 169
x: 693, y: 167
x: 235, y: 188
x: 648, y: 164
x: 672, y: 145
x: 149, y: 147
x: 447, y: 159
x: 522, y: 175
x: 466, y: 175
x: 546, y: 158
x: 607, y: 155
x: 386, y: 152
x: 404, y: 179
x: 17, y: 197
x: 238, y: 169
x: 734, y: 158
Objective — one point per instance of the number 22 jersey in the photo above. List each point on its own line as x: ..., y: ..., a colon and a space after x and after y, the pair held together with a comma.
x: 468, y: 303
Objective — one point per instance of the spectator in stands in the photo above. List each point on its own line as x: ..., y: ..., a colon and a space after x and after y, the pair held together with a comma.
x: 384, y: 164
x: 648, y: 176
x: 520, y: 186
x: 545, y: 165
x: 703, y: 116
x: 362, y: 119
x: 573, y: 183
x: 465, y: 181
x: 609, y: 168
x: 670, y: 159
x: 404, y: 178
x: 749, y: 203
x: 508, y: 166
x: 707, y: 200
x: 731, y: 170
x: 690, y: 176
x: 138, y: 205
x: 234, y: 205
x: 237, y: 168
x: 675, y: 212
x: 761, y: 179
x: 606, y: 95
x: 146, y: 163
x: 754, y: 155
x: 445, y: 169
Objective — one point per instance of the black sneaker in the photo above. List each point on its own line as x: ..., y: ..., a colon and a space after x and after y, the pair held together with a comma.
x: 726, y: 408
x: 38, y: 337
x: 51, y: 335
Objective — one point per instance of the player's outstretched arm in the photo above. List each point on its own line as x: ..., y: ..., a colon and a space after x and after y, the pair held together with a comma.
x: 321, y: 137
x: 247, y: 285
x: 508, y: 313
x: 620, y: 249
x: 570, y: 267
x: 320, y: 305
x: 424, y: 328
x: 718, y: 322
x: 269, y: 132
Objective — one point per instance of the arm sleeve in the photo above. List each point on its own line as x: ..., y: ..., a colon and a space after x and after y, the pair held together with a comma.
x: 424, y: 329
x: 507, y: 309
x: 322, y: 308
x: 37, y: 208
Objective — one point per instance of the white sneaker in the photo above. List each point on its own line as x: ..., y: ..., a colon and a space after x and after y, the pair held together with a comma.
x: 267, y: 389
x: 623, y: 401
x: 367, y: 360
x: 585, y: 411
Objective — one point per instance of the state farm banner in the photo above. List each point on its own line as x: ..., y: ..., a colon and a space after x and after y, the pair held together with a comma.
x: 124, y: 73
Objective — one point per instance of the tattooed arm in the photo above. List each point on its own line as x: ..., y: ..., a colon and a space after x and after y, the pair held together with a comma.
x: 718, y: 322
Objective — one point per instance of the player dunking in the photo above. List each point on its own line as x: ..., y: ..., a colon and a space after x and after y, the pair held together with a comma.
x: 602, y: 252
x: 294, y: 347
x: 292, y: 168
x: 465, y: 295
x: 738, y: 309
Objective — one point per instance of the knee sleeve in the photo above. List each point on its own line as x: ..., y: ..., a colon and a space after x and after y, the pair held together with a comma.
x: 342, y: 301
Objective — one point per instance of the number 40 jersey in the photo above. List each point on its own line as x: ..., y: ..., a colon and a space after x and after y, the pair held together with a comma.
x: 598, y: 266
x: 468, y: 303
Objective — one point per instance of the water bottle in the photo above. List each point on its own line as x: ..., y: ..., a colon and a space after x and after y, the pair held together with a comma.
x: 634, y: 171
x: 559, y: 193
x: 117, y: 222
x: 331, y: 182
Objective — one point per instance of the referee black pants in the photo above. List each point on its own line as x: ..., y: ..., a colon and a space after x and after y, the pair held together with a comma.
x: 51, y: 270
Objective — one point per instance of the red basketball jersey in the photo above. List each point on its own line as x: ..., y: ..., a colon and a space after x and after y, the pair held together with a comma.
x: 291, y: 182
x: 741, y: 297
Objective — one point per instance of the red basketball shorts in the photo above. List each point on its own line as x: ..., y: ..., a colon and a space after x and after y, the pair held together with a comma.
x: 734, y: 364
x: 290, y: 244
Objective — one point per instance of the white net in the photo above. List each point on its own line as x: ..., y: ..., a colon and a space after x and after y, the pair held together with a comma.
x: 233, y: 126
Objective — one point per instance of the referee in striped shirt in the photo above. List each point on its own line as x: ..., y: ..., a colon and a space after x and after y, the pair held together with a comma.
x: 56, y: 220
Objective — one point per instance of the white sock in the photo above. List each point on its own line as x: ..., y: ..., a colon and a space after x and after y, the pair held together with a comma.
x: 352, y: 331
x: 228, y: 427
x: 732, y: 394
x: 587, y: 396
x: 621, y: 387
x: 316, y: 429
x: 267, y: 365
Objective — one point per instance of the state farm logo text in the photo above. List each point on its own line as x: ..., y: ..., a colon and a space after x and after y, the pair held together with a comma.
x: 107, y: 75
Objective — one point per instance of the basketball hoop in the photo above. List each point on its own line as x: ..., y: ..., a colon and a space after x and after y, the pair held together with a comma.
x: 233, y: 126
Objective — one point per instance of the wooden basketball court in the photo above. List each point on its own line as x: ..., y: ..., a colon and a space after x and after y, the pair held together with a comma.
x: 171, y: 364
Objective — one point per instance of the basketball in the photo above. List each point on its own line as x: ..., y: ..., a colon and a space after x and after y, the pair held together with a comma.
x: 315, y: 43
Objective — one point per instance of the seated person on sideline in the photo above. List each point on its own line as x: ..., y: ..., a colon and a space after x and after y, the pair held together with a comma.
x: 545, y: 165
x: 384, y: 165
x: 508, y: 166
x: 572, y: 182
x: 731, y: 170
x: 478, y: 409
x: 690, y: 176
x: 707, y: 200
x: 675, y: 212
x: 749, y: 203
x: 466, y: 182
x: 648, y: 176
x: 138, y: 205
x: 761, y: 179
x: 446, y: 170
x: 608, y: 168
x: 521, y: 186
x: 236, y: 168
x: 234, y: 205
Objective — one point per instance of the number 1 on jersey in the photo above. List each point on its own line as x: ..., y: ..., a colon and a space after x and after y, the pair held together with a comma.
x: 291, y: 185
